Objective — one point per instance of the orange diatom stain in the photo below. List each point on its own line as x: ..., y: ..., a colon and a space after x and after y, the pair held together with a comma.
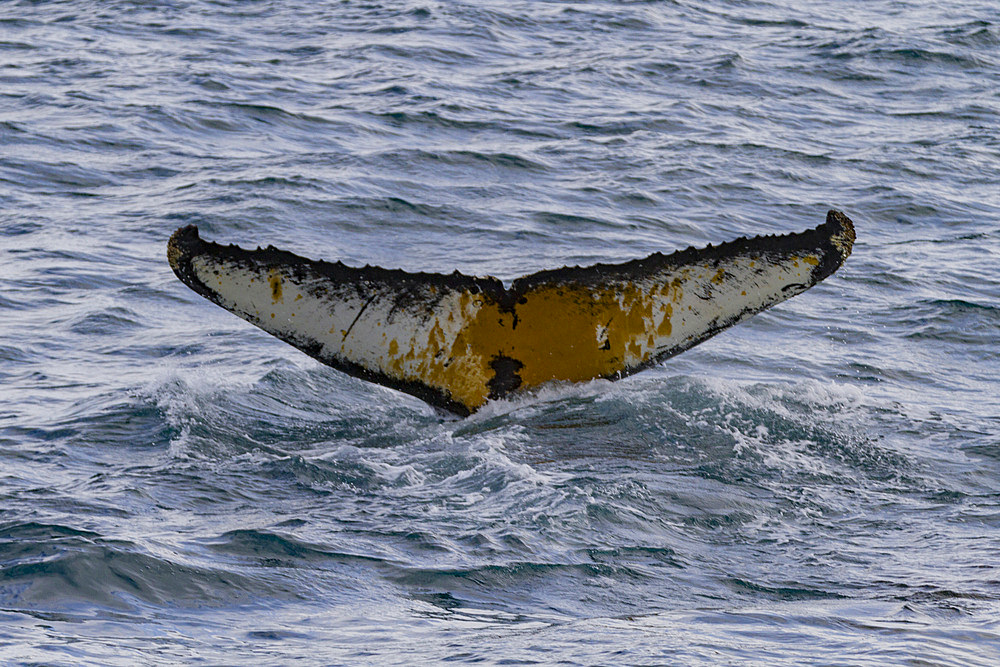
x: 555, y: 332
x: 274, y: 280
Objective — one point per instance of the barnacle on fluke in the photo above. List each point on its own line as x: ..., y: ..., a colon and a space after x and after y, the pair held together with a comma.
x: 457, y: 341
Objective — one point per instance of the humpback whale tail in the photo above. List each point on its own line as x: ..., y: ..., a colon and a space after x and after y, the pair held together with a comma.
x: 457, y: 341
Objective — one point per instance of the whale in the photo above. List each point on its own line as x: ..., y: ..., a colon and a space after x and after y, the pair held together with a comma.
x: 459, y: 341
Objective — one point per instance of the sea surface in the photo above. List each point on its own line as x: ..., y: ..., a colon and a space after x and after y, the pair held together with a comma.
x: 817, y: 486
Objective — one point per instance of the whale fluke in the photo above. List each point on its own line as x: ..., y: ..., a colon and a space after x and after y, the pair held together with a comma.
x: 457, y: 341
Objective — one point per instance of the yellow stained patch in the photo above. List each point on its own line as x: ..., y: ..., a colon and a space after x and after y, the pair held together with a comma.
x: 665, y: 327
x: 550, y: 333
x: 274, y: 280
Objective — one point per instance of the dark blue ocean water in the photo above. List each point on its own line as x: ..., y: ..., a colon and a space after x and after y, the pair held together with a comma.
x: 820, y: 485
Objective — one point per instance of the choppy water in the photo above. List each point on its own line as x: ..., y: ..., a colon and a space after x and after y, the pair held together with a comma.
x: 818, y: 486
